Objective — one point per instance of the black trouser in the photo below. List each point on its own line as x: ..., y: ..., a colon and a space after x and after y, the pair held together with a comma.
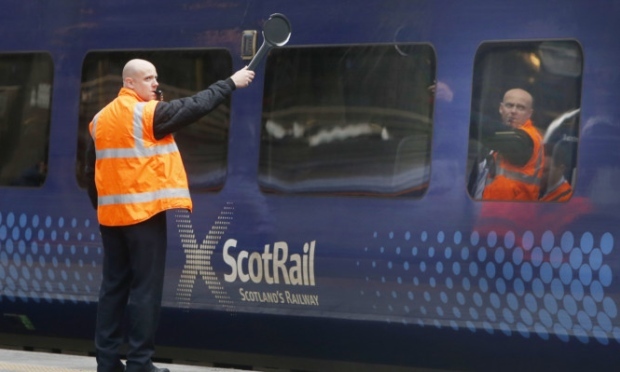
x: 134, y: 259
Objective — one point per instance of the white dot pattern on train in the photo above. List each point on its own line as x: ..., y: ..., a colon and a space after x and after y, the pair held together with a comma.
x: 528, y: 287
x: 514, y: 285
x: 48, y: 259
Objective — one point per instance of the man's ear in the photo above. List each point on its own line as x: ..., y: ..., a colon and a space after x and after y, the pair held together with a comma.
x: 128, y: 83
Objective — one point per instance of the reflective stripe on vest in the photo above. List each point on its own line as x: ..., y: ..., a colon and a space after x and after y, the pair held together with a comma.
x: 518, y: 176
x: 143, y: 197
x: 139, y: 150
x: 521, y: 176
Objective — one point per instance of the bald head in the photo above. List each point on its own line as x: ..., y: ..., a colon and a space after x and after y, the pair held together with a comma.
x: 141, y: 76
x: 516, y: 107
x: 135, y: 66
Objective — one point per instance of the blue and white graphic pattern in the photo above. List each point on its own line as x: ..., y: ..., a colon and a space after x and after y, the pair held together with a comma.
x: 45, y: 258
x: 526, y: 287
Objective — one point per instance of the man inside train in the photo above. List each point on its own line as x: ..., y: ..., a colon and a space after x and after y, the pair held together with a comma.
x: 554, y: 186
x: 512, y: 167
x: 135, y: 173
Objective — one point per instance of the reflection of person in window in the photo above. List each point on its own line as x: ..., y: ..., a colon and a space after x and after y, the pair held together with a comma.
x: 554, y: 186
x: 513, y: 168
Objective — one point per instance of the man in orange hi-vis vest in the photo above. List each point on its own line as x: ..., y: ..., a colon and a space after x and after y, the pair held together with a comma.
x: 555, y: 187
x: 135, y: 174
x: 513, y: 169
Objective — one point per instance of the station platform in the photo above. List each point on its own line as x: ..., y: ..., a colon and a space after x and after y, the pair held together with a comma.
x: 12, y: 360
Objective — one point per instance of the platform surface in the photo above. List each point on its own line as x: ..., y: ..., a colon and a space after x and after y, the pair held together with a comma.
x: 38, y: 361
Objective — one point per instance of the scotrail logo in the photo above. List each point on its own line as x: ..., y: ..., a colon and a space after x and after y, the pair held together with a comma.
x: 268, y: 267
x: 277, y: 266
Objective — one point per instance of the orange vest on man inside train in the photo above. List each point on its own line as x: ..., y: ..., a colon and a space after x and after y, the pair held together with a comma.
x: 137, y: 176
x: 517, y: 183
x: 560, y: 193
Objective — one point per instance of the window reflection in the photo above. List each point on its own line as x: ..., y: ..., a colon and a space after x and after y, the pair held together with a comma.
x: 347, y: 120
x: 203, y: 145
x: 25, y: 96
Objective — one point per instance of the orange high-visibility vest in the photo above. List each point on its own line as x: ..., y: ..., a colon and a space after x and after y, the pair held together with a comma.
x: 137, y: 176
x: 560, y: 193
x: 518, y: 183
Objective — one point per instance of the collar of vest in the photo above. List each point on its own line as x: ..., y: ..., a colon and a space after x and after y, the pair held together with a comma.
x: 527, y: 124
x: 130, y: 93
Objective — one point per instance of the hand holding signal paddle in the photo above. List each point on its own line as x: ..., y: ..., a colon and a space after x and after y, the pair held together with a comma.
x: 276, y: 33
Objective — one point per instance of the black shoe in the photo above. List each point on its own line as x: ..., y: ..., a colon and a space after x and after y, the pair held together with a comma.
x: 120, y: 367
x: 148, y: 368
x: 155, y: 369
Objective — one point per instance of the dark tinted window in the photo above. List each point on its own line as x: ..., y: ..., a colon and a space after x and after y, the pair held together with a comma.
x: 25, y: 98
x: 203, y: 145
x: 347, y: 120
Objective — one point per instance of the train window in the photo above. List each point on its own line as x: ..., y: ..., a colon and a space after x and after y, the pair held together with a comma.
x: 525, y: 120
x: 348, y: 120
x: 25, y: 96
x: 203, y: 145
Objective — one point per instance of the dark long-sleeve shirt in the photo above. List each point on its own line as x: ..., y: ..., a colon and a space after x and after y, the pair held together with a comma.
x: 168, y: 118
